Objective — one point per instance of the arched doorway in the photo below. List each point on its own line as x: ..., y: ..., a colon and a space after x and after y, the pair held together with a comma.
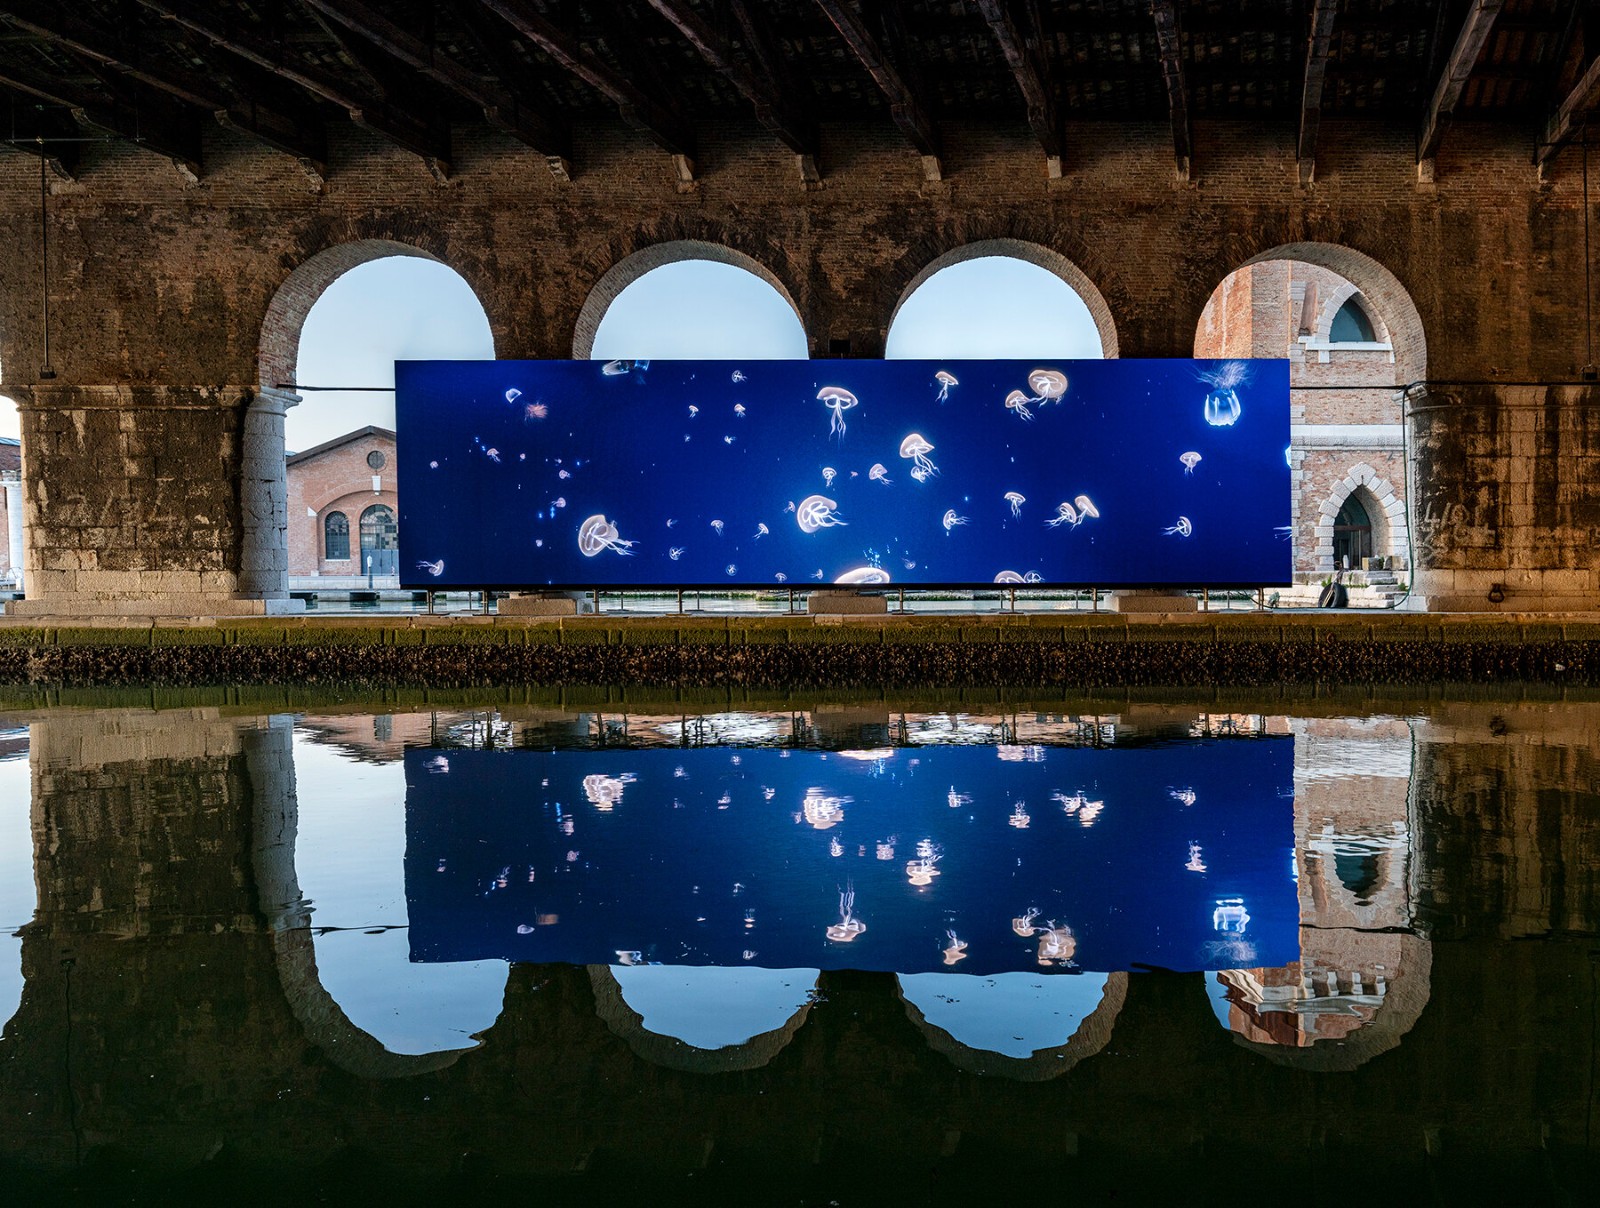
x: 380, y: 542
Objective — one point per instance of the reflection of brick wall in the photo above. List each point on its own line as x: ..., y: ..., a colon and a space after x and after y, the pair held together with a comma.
x: 335, y: 477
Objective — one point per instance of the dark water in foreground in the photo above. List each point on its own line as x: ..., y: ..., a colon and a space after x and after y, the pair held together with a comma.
x: 844, y: 954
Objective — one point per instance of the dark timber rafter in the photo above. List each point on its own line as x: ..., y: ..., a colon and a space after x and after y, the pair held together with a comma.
x: 387, y: 117
x: 909, y: 113
x: 650, y: 117
x: 772, y: 109
x: 500, y: 109
x: 1469, y: 44
x: 1317, y: 48
x: 162, y: 127
x: 1571, y: 116
x: 1169, y: 44
x: 1021, y: 52
x: 294, y: 133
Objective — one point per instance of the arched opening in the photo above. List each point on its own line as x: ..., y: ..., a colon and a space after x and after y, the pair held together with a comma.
x: 340, y: 320
x: 336, y: 537
x: 689, y: 300
x: 1001, y: 298
x: 1353, y: 339
x: 380, y: 541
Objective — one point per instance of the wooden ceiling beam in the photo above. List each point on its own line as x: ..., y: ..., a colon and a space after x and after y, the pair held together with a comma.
x: 1570, y: 117
x: 1318, y: 45
x: 297, y: 134
x: 909, y: 112
x: 1023, y: 54
x: 388, y: 117
x: 1170, y: 47
x: 1475, y: 30
x: 652, y: 118
x: 499, y: 108
x: 773, y: 110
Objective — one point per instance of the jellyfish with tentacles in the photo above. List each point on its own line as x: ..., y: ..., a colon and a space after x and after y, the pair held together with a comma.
x: 1033, y: 576
x: 675, y: 552
x: 1023, y: 923
x: 1020, y: 816
x: 879, y: 473
x: 433, y: 568
x: 1190, y: 460
x: 956, y: 950
x: 615, y: 368
x: 1017, y: 402
x: 1065, y: 514
x: 781, y: 577
x: 718, y: 525
x: 816, y: 512
x: 1048, y: 385
x: 738, y: 376
x: 921, y: 871
x: 1086, y: 508
x: 1222, y: 402
x: 950, y: 520
x: 1056, y: 944
x: 731, y: 569
x: 513, y: 394
x: 1182, y: 529
x: 848, y: 926
x: 863, y: 576
x: 915, y: 448
x: 838, y: 400
x: 738, y: 410
x: 945, y: 380
x: 828, y: 475
x: 597, y: 534
x: 761, y: 531
x: 1016, y: 499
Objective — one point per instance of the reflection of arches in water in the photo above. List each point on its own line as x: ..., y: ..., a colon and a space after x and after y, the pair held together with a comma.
x: 703, y: 1019
x: 270, y: 758
x: 18, y: 896
x: 1015, y: 1025
x: 1320, y: 1018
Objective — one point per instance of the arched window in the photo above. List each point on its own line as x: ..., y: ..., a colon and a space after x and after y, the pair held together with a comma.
x: 993, y: 306
x: 1351, y: 325
x: 1352, y: 534
x: 336, y: 537
x: 700, y: 309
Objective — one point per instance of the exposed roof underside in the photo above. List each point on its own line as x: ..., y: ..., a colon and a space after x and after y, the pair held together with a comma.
x: 156, y: 71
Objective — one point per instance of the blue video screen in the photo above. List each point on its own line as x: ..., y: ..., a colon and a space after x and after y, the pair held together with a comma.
x: 978, y: 859
x: 708, y: 474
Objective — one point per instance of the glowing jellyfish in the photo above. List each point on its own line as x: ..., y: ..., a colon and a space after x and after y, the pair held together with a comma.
x: 1222, y: 403
x: 1033, y: 576
x: 433, y: 568
x: 761, y: 531
x: 1056, y: 944
x: 605, y: 792
x: 1086, y: 508
x: 781, y: 577
x: 922, y: 871
x: 1048, y: 385
x: 493, y: 455
x: 513, y: 395
x: 615, y: 368
x: 597, y: 533
x: 535, y: 411
x: 717, y: 524
x: 1016, y: 499
x: 563, y: 474
x: 1008, y: 576
x: 1018, y: 402
x: 1184, y: 796
x: 1196, y: 859
x: 1182, y: 529
x: 693, y: 411
x: 848, y: 926
x: 1065, y: 514
x: 731, y: 569
x: 817, y: 574
x: 835, y: 848
x: 1190, y: 460
x: 945, y: 380
x: 816, y: 512
x: 675, y: 552
x: 738, y: 376
x: 950, y: 520
x: 878, y: 474
x: 727, y: 440
x: 1230, y: 916
x: 863, y: 576
x: 822, y: 811
x: 956, y: 950
x: 916, y: 448
x: 828, y: 475
x: 433, y: 465
x: 838, y: 400
x: 1023, y: 923
x: 738, y: 410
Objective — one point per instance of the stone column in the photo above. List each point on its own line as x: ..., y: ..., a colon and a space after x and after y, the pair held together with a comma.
x: 264, y: 500
x: 13, y: 489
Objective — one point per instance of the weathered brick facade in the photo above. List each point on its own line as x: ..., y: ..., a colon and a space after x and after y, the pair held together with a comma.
x: 173, y: 304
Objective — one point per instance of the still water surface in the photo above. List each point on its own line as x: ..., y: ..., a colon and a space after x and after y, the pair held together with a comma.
x: 815, y: 955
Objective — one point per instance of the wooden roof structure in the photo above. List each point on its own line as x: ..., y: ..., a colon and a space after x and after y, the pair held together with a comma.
x: 157, y: 71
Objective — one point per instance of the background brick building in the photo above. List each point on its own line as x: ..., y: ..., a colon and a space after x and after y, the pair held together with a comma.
x: 10, y: 512
x: 342, y: 511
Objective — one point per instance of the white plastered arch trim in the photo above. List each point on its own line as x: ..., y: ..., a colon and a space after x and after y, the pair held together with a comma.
x: 658, y: 255
x: 1323, y: 330
x: 1040, y: 256
x: 1380, y: 488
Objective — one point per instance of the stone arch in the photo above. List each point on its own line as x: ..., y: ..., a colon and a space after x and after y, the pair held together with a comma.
x: 1389, y: 302
x: 646, y: 259
x: 1388, y: 511
x: 1032, y: 253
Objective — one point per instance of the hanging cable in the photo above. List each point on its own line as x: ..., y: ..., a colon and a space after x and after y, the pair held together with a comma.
x: 46, y: 371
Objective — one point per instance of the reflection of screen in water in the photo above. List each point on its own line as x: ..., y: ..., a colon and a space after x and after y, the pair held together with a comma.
x: 715, y: 473
x: 961, y: 859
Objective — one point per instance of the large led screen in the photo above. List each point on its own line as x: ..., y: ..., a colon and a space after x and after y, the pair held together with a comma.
x: 632, y: 474
x: 986, y: 859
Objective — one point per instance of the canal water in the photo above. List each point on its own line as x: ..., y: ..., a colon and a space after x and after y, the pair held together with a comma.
x: 1115, y: 950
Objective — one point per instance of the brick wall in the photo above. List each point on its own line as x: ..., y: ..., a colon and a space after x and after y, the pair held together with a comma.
x: 337, y: 480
